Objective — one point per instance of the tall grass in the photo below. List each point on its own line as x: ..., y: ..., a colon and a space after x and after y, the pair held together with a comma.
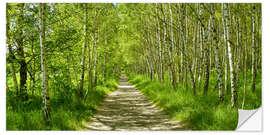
x: 197, y: 112
x: 68, y: 110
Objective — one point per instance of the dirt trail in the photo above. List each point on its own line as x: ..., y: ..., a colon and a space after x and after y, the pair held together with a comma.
x: 127, y: 109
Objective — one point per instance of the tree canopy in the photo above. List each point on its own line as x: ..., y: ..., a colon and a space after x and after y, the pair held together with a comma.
x: 64, y: 58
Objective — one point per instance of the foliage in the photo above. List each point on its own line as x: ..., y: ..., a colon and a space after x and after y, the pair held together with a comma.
x: 177, y: 54
x: 64, y: 40
x: 68, y: 111
x: 196, y: 112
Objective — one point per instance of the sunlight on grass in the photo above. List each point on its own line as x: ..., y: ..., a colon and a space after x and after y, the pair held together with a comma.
x: 68, y: 111
x: 196, y: 112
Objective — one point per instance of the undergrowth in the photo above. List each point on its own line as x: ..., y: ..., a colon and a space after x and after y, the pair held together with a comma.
x: 68, y: 111
x: 198, y: 112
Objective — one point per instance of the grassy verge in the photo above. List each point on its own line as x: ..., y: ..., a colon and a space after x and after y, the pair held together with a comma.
x: 68, y: 111
x: 197, y: 112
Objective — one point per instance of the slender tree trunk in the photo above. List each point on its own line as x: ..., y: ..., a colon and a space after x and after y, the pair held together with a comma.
x: 89, y: 56
x: 161, y: 76
x: 233, y: 89
x: 45, y: 84
x: 245, y: 67
x: 258, y: 38
x: 225, y: 56
x: 253, y: 49
x: 95, y: 64
x: 91, y: 61
x: 197, y: 52
x: 104, y: 68
x: 206, y: 48
x: 152, y: 52
x: 80, y: 87
x: 184, y: 46
x: 95, y: 52
x: 218, y: 64
x: 104, y: 60
x: 237, y: 53
x: 172, y: 67
x: 33, y: 77
x: 11, y: 55
x: 23, y: 65
x: 74, y: 70
x: 200, y: 68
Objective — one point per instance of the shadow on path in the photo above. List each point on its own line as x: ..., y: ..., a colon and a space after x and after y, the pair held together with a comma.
x: 127, y: 109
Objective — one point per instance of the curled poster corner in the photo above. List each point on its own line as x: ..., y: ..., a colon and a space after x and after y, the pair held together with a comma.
x: 249, y: 120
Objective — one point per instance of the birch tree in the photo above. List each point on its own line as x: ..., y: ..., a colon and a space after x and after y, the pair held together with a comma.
x: 253, y: 49
x: 216, y: 44
x: 229, y: 46
x: 45, y: 84
x: 80, y: 87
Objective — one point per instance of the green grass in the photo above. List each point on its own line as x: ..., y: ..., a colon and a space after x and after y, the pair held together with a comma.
x: 197, y: 112
x: 68, y: 111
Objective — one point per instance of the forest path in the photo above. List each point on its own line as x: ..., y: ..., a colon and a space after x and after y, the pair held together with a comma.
x: 127, y: 109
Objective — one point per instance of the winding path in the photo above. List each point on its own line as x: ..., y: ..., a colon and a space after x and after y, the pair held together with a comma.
x: 127, y: 109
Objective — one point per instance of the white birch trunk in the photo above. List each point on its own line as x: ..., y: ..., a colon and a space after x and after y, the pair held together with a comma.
x: 45, y: 85
x: 80, y: 88
x: 233, y: 90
